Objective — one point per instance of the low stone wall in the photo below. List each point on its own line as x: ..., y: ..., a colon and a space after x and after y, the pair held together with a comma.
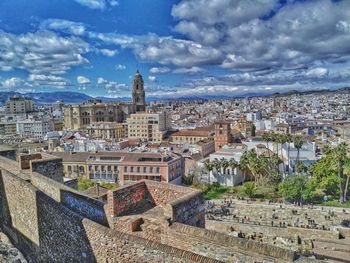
x: 163, y: 193
x: 10, y: 154
x: 114, y: 246
x: 125, y: 198
x: 74, y: 200
x: 85, y: 206
x: 51, y: 168
x: 210, y: 238
x: 305, y: 233
x: 188, y: 209
x: 24, y: 160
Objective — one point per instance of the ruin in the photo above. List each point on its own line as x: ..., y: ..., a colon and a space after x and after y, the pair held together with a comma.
x: 48, y: 221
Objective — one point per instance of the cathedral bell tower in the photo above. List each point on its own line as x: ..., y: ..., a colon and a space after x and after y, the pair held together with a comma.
x: 138, y: 93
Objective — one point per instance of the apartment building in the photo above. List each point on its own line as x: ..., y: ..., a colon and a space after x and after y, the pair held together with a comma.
x: 107, y: 130
x: 34, y: 128
x: 19, y: 105
x: 148, y: 126
x: 123, y: 167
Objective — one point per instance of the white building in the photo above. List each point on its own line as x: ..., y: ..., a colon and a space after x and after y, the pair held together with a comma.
x: 34, y: 128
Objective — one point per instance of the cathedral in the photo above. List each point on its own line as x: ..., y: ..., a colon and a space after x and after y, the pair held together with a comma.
x: 138, y: 93
x: 80, y: 116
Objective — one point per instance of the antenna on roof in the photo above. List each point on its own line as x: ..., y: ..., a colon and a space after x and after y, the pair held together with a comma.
x: 137, y: 67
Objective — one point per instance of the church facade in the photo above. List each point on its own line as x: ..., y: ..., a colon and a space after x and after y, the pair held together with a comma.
x: 80, y: 116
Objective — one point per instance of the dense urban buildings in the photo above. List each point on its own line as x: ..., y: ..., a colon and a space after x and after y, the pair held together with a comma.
x: 174, y: 131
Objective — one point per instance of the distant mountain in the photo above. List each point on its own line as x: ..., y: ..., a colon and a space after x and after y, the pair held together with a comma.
x: 70, y: 97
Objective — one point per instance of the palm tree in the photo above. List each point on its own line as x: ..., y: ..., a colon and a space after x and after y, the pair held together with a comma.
x: 339, y: 155
x: 289, y: 139
x: 224, y: 165
x: 281, y: 139
x: 208, y: 165
x: 267, y: 138
x: 243, y: 164
x: 298, y: 143
x: 347, y: 173
x: 232, y: 163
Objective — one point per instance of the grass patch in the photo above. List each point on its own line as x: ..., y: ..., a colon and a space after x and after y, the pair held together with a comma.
x: 335, y: 203
x: 216, y: 192
x: 84, y: 184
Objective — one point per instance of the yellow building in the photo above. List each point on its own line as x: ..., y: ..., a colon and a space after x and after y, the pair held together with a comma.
x: 148, y: 126
x: 107, y: 130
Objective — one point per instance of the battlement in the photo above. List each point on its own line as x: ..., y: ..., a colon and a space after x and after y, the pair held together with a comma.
x: 144, y: 222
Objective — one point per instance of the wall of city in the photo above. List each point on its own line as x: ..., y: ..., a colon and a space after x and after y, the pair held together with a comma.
x: 52, y: 168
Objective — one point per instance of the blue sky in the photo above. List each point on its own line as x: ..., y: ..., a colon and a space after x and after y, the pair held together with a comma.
x: 182, y: 47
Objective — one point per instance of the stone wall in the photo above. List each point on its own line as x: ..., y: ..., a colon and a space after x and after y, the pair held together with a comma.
x: 163, y: 193
x: 85, y: 206
x: 207, y: 241
x: 24, y: 159
x: 10, y: 154
x: 52, y: 168
x: 305, y: 233
x: 120, y: 201
x: 188, y: 209
x: 74, y: 200
x: 114, y: 246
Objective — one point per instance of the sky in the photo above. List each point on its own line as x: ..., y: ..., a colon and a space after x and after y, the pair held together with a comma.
x: 181, y: 47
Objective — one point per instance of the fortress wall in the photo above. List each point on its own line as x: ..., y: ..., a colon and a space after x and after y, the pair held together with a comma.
x: 202, y: 240
x: 52, y: 168
x: 163, y: 193
x: 188, y: 209
x: 18, y: 206
x: 24, y: 160
x: 10, y: 154
x: 121, y: 200
x: 272, y: 231
x: 74, y: 200
x: 121, y: 247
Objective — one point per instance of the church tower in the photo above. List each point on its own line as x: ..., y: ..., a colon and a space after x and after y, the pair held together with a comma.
x: 138, y: 93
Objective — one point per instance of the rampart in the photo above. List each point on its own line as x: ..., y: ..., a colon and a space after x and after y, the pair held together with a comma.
x: 50, y: 222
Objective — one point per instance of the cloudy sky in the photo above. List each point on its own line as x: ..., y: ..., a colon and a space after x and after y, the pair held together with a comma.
x: 181, y: 47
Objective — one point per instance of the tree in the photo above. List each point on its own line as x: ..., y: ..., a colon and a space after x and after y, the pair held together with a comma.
x: 249, y: 189
x: 224, y: 165
x: 289, y: 139
x: 267, y: 138
x: 298, y: 143
x: 232, y: 163
x: 339, y: 155
x: 243, y: 164
x: 253, y: 130
x: 300, y: 168
x: 347, y: 173
x: 292, y: 188
x: 281, y: 139
x: 209, y: 167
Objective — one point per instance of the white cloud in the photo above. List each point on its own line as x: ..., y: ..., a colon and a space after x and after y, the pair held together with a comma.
x: 67, y: 26
x: 41, y: 52
x: 163, y: 50
x: 317, y: 72
x: 48, y: 80
x: 159, y: 70
x: 101, y: 81
x: 120, y: 67
x: 83, y: 80
x: 108, y: 52
x: 192, y: 70
x: 98, y: 4
x: 14, y: 84
x: 93, y: 4
x: 152, y: 78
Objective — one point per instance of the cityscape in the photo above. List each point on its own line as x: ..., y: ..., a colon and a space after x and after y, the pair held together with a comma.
x: 182, y: 131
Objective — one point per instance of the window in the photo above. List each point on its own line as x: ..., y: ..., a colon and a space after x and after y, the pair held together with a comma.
x: 138, y: 169
x: 125, y: 169
x: 151, y: 169
x: 131, y: 169
x: 144, y: 169
x: 157, y: 170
